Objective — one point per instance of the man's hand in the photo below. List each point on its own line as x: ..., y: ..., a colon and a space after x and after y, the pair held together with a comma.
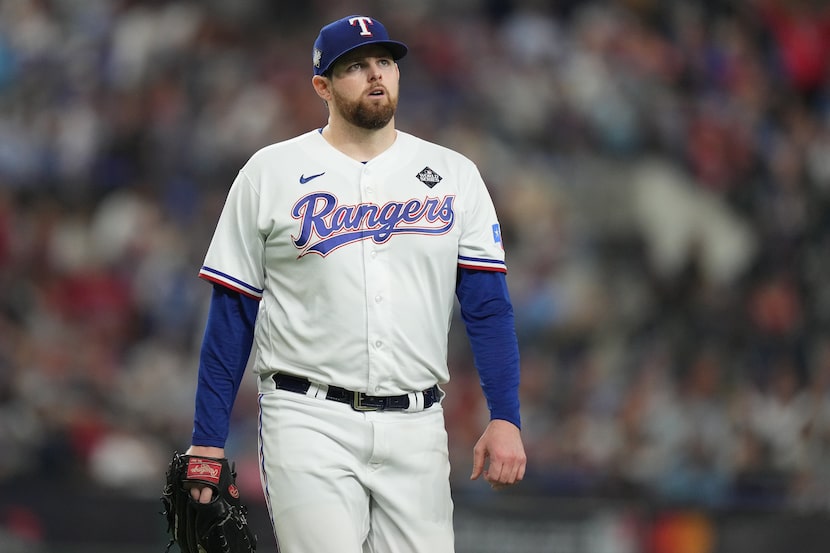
x: 202, y: 523
x: 501, y: 444
x: 203, y: 493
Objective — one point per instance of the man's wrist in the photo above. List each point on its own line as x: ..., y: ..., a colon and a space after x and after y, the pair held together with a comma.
x: 206, y: 451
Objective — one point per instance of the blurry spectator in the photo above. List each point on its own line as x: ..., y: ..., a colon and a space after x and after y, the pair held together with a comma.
x: 21, y: 531
x: 700, y: 470
x: 812, y: 486
x: 801, y: 33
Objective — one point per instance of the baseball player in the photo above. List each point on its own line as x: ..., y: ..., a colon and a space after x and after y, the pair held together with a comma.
x: 340, y: 252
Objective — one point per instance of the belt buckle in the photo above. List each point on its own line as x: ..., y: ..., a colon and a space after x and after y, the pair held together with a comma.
x: 357, y: 403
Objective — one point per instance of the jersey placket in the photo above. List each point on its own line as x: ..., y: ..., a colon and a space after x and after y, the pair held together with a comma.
x: 375, y: 262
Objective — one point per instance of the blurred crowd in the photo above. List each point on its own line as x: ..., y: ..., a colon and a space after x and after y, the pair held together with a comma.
x: 662, y: 173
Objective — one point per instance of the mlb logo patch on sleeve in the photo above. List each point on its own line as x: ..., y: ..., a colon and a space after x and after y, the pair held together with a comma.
x: 497, y: 235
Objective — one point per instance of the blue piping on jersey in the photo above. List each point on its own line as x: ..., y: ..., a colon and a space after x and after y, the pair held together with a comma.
x: 206, y: 269
x: 481, y: 260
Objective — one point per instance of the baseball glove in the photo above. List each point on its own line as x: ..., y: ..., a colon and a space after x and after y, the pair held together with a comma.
x: 220, y: 526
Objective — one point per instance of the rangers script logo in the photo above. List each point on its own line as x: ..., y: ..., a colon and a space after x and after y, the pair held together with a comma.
x: 325, y: 225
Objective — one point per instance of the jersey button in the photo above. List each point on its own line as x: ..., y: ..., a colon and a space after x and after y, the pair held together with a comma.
x: 373, y: 254
x: 378, y: 343
x: 378, y: 298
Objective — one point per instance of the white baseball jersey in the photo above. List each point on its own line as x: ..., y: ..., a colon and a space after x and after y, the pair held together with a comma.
x: 355, y: 263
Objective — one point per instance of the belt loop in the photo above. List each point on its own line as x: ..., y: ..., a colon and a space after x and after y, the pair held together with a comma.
x: 317, y: 391
x: 416, y: 402
x: 267, y: 382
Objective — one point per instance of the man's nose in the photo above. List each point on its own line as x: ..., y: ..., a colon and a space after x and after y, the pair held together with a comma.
x: 375, y: 72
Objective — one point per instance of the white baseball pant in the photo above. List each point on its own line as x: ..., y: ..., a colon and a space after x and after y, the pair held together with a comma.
x: 338, y: 480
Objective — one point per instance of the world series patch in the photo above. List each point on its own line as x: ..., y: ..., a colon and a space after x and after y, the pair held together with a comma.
x: 429, y: 177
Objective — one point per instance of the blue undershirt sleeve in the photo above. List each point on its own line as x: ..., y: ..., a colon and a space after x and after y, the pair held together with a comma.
x: 488, y: 316
x: 226, y: 346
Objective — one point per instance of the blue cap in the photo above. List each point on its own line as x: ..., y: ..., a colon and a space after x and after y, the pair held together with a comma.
x: 344, y: 35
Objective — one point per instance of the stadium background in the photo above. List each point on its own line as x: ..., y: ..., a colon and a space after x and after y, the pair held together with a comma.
x: 662, y: 171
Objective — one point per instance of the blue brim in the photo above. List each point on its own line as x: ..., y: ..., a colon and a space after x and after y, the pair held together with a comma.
x: 397, y: 49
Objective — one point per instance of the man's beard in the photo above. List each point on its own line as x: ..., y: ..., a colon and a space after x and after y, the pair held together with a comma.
x: 365, y: 114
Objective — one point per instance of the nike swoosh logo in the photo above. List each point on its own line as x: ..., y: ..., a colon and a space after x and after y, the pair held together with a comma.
x: 304, y: 179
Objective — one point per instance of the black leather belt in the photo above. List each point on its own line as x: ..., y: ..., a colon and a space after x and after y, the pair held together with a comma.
x: 359, y: 401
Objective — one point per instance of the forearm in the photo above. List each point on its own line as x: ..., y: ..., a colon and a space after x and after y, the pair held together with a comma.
x: 226, y: 347
x: 488, y: 317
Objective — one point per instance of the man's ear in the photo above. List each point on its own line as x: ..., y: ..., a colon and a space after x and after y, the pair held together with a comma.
x: 322, y: 86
